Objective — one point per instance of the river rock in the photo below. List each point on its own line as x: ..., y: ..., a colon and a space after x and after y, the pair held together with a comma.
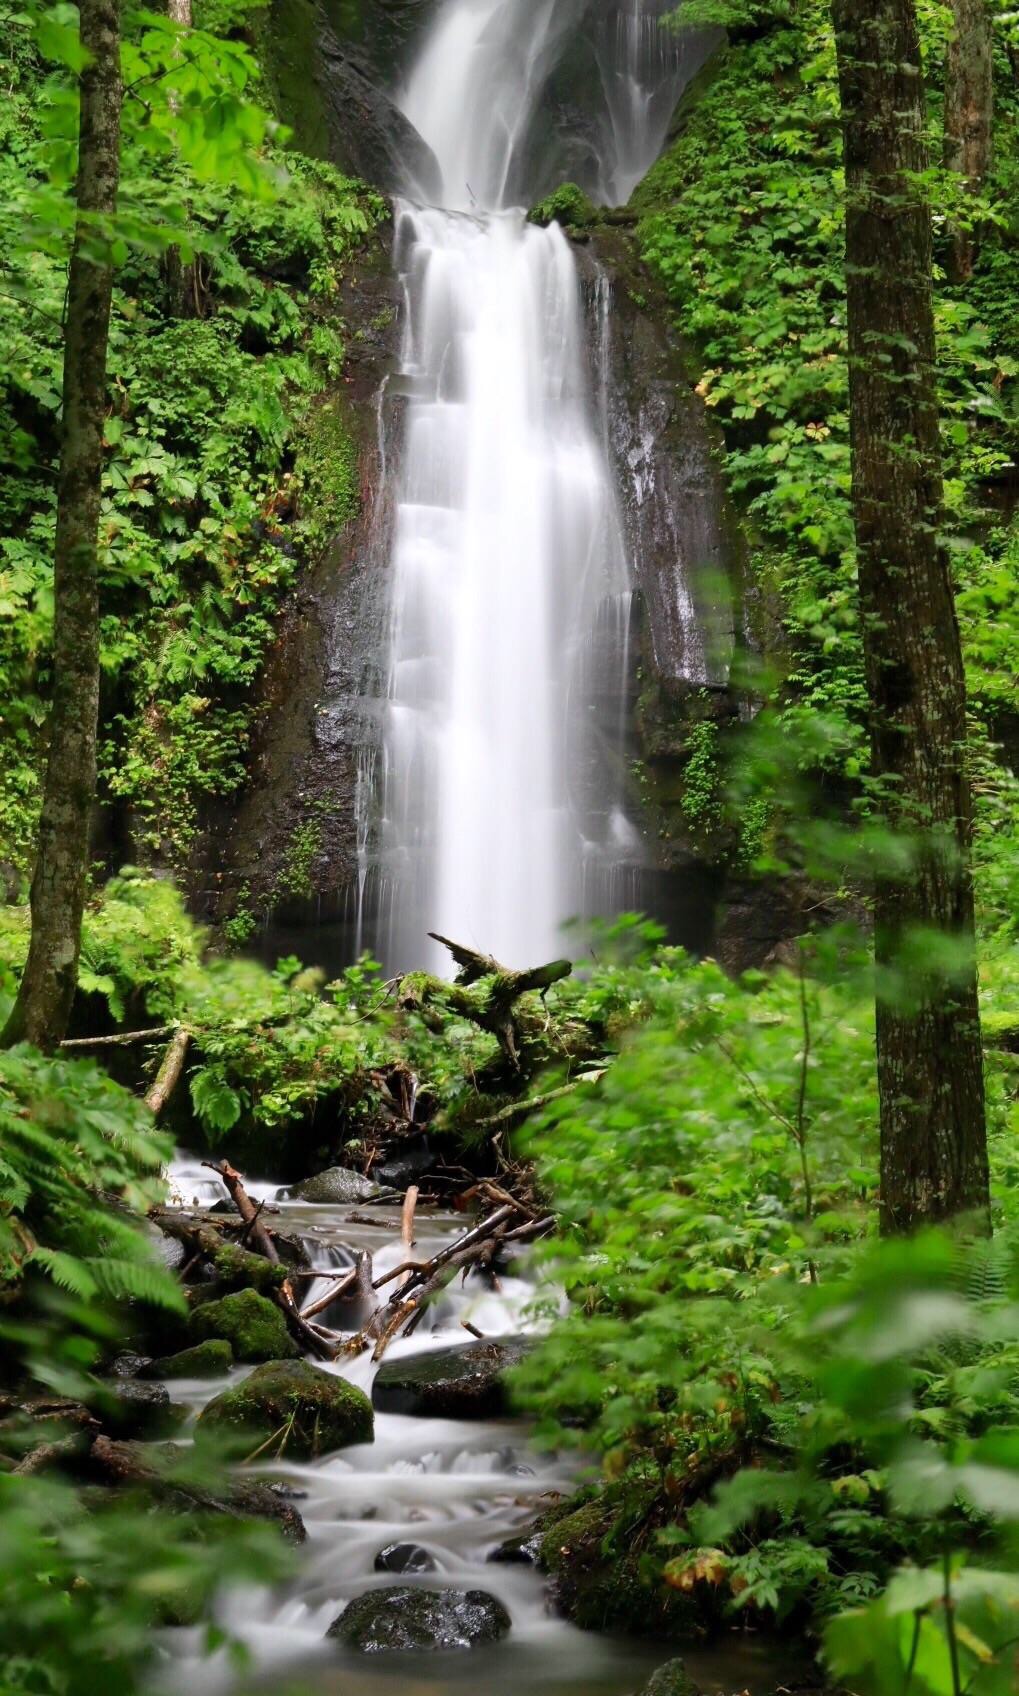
x: 251, y: 1324
x: 142, y: 1410
x: 404, y: 1619
x: 157, y: 1470
x: 312, y: 1412
x: 210, y: 1359
x: 465, y: 1382
x: 338, y: 1184
x: 405, y: 1164
x: 672, y: 1679
x: 404, y: 1557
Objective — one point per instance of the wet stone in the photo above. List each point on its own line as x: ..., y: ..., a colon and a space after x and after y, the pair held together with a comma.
x: 466, y: 1382
x: 404, y: 1557
x: 398, y: 1619
x: 140, y: 1410
x: 338, y: 1185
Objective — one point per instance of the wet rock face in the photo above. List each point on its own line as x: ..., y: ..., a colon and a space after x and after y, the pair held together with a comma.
x: 404, y: 1619
x: 308, y: 1411
x: 337, y: 1185
x: 466, y: 1382
x: 369, y: 135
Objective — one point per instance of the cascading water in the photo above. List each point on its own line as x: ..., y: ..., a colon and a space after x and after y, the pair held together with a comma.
x: 502, y: 804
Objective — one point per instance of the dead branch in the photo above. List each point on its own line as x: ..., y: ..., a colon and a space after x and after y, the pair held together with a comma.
x: 410, y: 1202
x: 263, y: 1244
x: 485, y: 993
x: 169, y: 1072
x: 123, y: 1040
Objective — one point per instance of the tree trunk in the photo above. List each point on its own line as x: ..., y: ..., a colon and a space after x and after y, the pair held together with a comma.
x: 182, y: 295
x: 969, y: 111
x: 930, y: 1078
x: 41, y: 1011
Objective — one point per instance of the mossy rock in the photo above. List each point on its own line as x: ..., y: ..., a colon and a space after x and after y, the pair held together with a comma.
x: 291, y: 1409
x: 467, y: 1381
x: 595, y: 1557
x: 567, y: 205
x: 672, y: 1679
x: 210, y: 1359
x: 255, y: 1328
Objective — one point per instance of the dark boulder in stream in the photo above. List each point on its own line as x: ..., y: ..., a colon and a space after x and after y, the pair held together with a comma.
x: 398, y: 1619
x: 133, y: 1409
x: 289, y: 1408
x: 466, y: 1382
x: 211, y: 1359
x: 404, y: 1557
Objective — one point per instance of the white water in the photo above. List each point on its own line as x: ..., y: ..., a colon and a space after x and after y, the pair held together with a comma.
x: 503, y: 813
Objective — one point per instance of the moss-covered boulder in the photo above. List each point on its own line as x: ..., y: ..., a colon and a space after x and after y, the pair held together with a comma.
x: 292, y: 1409
x: 398, y: 1619
x: 567, y: 205
x: 595, y: 1555
x: 672, y: 1679
x: 255, y: 1328
x: 210, y: 1359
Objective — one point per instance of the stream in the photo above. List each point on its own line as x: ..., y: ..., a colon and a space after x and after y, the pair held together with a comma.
x: 453, y: 1488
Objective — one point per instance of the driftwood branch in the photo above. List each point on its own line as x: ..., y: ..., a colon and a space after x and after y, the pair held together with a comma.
x: 485, y: 993
x: 171, y: 1066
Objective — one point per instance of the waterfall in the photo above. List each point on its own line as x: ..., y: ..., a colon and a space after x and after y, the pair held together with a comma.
x: 503, y: 810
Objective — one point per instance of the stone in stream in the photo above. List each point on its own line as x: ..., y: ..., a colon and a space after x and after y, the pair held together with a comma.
x: 465, y: 1382
x: 386, y: 1621
x: 672, y: 1679
x: 293, y: 1409
x: 338, y: 1185
x: 210, y: 1359
x: 251, y: 1324
x: 404, y: 1557
x: 406, y: 1163
x: 134, y: 1409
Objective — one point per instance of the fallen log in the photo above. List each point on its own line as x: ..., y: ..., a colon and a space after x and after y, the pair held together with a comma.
x: 123, y: 1039
x: 169, y: 1072
x: 485, y: 993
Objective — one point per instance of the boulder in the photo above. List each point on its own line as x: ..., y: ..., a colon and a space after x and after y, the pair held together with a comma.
x: 522, y: 1549
x: 251, y: 1324
x: 406, y: 1163
x: 465, y: 1382
x: 133, y: 1409
x: 672, y: 1679
x: 159, y: 1473
x: 210, y: 1359
x: 398, y: 1619
x: 294, y: 1408
x: 338, y: 1184
x: 404, y: 1557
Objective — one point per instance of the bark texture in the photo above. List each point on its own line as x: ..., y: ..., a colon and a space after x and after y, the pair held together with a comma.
x: 58, y: 886
x: 969, y: 111
x: 930, y: 1079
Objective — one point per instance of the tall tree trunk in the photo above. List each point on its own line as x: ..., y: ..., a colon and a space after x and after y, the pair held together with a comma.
x: 41, y: 1011
x: 930, y: 1077
x: 969, y: 111
x: 182, y: 296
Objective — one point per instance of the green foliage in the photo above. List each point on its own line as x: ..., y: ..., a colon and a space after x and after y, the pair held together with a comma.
x: 567, y: 205
x: 218, y: 486
x: 77, y: 1150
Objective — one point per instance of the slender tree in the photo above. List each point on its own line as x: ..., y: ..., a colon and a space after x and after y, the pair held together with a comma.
x: 930, y: 1078
x: 969, y: 110
x: 43, y: 1005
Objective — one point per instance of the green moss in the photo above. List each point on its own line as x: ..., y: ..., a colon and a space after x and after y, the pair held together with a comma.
x: 567, y: 205
x: 255, y: 1327
x: 292, y: 1409
x: 287, y: 37
x: 206, y: 1360
x: 596, y: 1556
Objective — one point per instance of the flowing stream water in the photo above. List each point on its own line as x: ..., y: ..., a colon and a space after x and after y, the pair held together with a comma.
x: 455, y: 1488
x: 503, y: 786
